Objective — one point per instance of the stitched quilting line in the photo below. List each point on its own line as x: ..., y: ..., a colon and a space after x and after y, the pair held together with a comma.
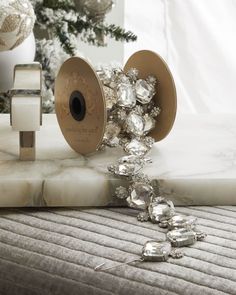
x: 83, y: 251
x: 48, y: 220
x: 212, y: 219
x: 102, y: 245
x: 56, y: 222
x: 119, y: 261
x: 217, y: 211
x: 185, y: 255
x: 160, y: 230
x: 51, y: 274
x: 204, y: 210
x: 226, y: 208
x: 133, y: 224
x: 19, y: 284
x: 82, y: 266
x: 79, y: 218
x: 199, y: 221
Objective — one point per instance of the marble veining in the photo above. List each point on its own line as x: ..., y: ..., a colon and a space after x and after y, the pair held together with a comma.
x: 195, y: 164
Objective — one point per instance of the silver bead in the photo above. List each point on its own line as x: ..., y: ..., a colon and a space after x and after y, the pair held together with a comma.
x: 143, y: 216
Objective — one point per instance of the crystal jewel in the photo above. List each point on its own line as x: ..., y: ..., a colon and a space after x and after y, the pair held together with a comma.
x: 136, y: 147
x: 112, y: 131
x: 144, y: 91
x: 126, y: 95
x: 140, y: 195
x: 110, y: 97
x: 135, y: 124
x: 149, y: 123
x: 125, y: 169
x: 131, y: 159
x: 181, y: 237
x: 132, y: 74
x: 156, y: 251
x: 160, y: 212
x: 181, y: 221
x: 105, y: 75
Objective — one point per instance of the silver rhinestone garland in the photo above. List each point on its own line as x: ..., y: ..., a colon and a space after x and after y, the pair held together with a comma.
x: 131, y: 116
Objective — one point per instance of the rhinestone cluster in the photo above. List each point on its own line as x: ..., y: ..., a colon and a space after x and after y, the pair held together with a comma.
x: 131, y: 117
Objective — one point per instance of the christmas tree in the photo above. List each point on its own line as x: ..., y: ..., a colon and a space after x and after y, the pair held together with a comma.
x: 60, y: 26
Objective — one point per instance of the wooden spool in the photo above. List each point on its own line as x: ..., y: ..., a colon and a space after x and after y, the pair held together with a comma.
x: 80, y: 101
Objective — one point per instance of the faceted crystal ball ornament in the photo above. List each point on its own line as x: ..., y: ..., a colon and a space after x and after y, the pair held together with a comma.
x: 140, y: 195
x: 135, y: 124
x: 160, y: 210
x: 144, y: 91
x: 126, y: 95
x: 181, y: 237
x: 156, y: 251
x: 181, y: 221
x: 136, y: 147
x: 16, y: 22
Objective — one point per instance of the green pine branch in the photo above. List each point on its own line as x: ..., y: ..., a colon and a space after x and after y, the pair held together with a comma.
x: 89, y: 30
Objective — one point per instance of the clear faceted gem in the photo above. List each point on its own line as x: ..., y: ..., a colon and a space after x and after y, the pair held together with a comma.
x: 181, y: 221
x: 131, y: 159
x: 105, y: 75
x: 149, y: 123
x: 159, y: 212
x: 181, y: 237
x: 136, y: 147
x: 125, y: 169
x: 135, y: 124
x: 144, y: 91
x: 156, y: 251
x: 126, y: 95
x: 140, y: 195
x: 112, y: 131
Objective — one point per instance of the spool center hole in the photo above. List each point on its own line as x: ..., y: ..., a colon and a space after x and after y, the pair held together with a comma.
x: 77, y: 105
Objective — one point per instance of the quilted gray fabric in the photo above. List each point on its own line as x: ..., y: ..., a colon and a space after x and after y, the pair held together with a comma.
x: 54, y: 251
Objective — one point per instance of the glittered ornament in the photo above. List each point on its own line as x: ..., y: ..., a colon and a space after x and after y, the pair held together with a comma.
x: 96, y: 9
x: 16, y: 22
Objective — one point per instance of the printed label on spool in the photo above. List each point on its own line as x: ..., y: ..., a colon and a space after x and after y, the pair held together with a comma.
x: 80, y: 105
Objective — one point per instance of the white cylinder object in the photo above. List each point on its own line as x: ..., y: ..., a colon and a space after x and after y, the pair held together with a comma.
x: 25, y: 112
x: 24, y: 53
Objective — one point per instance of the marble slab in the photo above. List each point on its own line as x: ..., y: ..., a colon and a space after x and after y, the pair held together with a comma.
x: 195, y: 164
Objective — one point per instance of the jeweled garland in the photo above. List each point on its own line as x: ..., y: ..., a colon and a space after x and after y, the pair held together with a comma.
x: 131, y: 116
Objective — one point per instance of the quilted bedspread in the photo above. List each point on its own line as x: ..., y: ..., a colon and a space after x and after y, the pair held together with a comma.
x: 54, y: 251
